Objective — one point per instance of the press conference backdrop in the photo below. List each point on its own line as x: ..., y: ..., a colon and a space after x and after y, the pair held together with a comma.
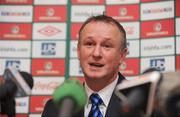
x: 40, y: 37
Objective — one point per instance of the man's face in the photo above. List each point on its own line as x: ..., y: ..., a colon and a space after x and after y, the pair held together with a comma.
x: 99, y: 50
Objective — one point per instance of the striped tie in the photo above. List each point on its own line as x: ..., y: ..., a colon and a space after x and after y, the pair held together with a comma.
x: 96, y: 101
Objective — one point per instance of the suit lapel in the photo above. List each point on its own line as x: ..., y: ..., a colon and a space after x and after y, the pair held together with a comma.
x: 113, y: 109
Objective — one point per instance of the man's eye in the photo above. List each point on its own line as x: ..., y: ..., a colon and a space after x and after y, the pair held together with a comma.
x: 107, y: 46
x: 89, y: 44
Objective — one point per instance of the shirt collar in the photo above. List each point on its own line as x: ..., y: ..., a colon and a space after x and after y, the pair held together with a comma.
x: 104, y: 93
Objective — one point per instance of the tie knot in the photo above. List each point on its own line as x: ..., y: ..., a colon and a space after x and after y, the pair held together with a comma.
x: 96, y: 99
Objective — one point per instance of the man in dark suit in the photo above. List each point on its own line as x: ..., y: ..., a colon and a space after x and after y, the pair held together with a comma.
x: 101, y: 50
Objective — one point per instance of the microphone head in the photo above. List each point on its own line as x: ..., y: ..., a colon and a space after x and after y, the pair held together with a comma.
x: 28, y: 78
x: 22, y: 80
x: 71, y: 89
x: 151, y: 69
x: 8, y: 90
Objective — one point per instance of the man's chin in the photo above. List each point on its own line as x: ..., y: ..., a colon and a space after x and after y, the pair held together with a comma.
x: 95, y: 76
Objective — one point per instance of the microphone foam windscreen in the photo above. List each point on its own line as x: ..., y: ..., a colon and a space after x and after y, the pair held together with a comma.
x: 71, y: 89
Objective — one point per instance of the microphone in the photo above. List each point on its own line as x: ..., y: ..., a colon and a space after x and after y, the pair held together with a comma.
x: 16, y: 82
x: 137, y: 95
x: 8, y: 90
x: 168, y: 96
x: 70, y: 97
x: 11, y: 87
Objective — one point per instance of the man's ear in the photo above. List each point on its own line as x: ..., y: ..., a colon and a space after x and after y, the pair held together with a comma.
x: 123, y: 55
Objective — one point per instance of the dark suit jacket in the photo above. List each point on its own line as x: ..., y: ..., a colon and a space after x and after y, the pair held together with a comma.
x: 113, y: 109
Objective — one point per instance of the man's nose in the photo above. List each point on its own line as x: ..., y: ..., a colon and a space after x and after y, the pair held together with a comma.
x: 97, y: 52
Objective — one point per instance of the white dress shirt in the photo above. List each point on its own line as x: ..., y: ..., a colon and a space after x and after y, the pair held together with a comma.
x: 105, y: 95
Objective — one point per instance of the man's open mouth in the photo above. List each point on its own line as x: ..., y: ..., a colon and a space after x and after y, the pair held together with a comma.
x: 96, y: 64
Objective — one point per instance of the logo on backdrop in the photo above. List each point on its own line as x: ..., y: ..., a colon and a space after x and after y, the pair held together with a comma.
x: 157, y: 27
x: 158, y: 63
x: 123, y: 11
x: 49, y: 31
x: 38, y: 102
x: 13, y: 63
x: 48, y: 48
x: 130, y: 67
x: 50, y: 12
x: 48, y: 66
x: 15, y: 29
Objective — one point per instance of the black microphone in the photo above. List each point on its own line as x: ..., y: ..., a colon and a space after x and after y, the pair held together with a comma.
x: 11, y: 88
x: 137, y: 95
x: 17, y: 82
x: 8, y: 90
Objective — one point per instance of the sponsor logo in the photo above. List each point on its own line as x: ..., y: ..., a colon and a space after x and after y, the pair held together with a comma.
x: 130, y: 67
x: 46, y: 67
x: 38, y: 102
x: 12, y: 63
x: 123, y: 12
x: 81, y: 13
x: 12, y: 49
x: 157, y: 28
x: 15, y: 13
x: 20, y: 64
x: 157, y: 10
x: 14, y: 31
x: 132, y: 29
x: 21, y: 104
x: 49, y: 31
x: 165, y: 63
x: 158, y: 64
x: 153, y: 47
x: 50, y: 13
x: 46, y: 85
x: 129, y: 30
x: 48, y: 48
